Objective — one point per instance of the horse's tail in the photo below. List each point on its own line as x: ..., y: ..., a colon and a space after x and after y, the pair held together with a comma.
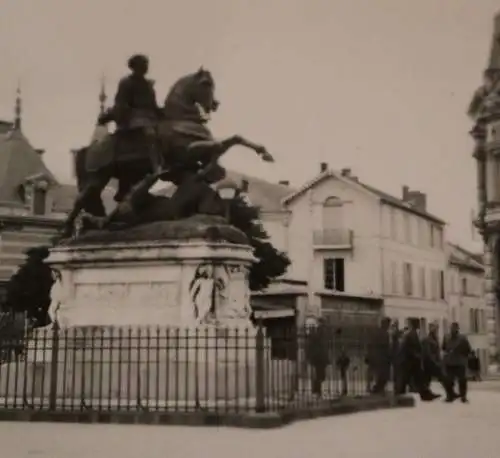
x: 80, y: 167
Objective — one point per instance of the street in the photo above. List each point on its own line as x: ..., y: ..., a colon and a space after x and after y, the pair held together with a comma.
x: 431, y: 431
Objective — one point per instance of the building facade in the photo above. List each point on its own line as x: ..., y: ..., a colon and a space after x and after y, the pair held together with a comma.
x: 466, y: 294
x: 347, y: 237
x: 30, y: 198
x: 33, y: 203
x: 485, y: 112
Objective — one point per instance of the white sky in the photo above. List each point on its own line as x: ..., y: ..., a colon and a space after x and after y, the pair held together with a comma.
x: 380, y: 86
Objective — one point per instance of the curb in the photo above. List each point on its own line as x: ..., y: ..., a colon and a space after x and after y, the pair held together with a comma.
x: 244, y: 420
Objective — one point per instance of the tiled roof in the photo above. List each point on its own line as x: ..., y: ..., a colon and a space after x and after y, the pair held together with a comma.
x: 461, y: 257
x: 5, y: 126
x: 387, y: 198
x: 18, y: 160
x: 64, y: 196
x: 263, y: 194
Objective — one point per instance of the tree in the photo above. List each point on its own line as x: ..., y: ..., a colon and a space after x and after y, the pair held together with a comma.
x: 28, y: 290
x: 271, y: 263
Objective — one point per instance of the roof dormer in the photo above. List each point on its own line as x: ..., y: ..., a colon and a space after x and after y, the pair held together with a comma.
x: 34, y: 191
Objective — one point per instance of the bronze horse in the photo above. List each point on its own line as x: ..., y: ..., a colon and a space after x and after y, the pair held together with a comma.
x: 183, y: 141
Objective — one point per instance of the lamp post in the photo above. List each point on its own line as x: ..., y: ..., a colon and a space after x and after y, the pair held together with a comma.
x: 227, y: 190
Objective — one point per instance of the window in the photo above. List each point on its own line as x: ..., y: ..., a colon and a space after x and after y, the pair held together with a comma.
x: 392, y: 217
x: 482, y: 321
x: 454, y: 282
x: 441, y: 285
x: 406, y: 228
x: 333, y: 274
x: 333, y: 213
x: 439, y: 238
x: 434, y: 285
x: 464, y: 286
x: 414, y: 230
x: 407, y: 279
x: 474, y: 325
x: 394, y: 277
x: 423, y: 290
x: 400, y: 230
x: 421, y: 232
x: 39, y: 201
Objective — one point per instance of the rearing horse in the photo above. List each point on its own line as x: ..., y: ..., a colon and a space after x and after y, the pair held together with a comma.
x: 184, y: 142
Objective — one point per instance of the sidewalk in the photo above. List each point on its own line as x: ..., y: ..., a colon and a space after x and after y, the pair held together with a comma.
x: 429, y: 430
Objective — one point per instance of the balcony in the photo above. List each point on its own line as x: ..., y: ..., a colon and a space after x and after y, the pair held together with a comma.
x: 333, y: 239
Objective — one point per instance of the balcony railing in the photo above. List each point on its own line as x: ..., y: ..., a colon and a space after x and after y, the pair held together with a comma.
x: 333, y: 239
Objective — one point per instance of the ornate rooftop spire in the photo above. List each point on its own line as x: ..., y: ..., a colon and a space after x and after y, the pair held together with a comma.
x: 101, y: 131
x: 18, y: 108
x: 494, y: 61
x: 102, y: 96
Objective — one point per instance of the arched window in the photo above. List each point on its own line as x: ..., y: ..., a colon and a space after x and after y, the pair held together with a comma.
x: 333, y: 217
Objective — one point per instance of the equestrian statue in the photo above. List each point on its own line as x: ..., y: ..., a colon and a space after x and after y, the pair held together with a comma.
x: 170, y: 143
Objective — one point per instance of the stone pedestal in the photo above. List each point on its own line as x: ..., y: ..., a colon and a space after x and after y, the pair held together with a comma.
x: 156, y: 316
x: 161, y: 283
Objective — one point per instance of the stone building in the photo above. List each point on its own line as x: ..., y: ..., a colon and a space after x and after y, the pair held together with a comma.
x: 485, y: 111
x: 465, y: 296
x: 346, y: 237
x: 33, y: 203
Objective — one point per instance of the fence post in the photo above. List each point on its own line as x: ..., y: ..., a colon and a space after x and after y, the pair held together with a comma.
x: 53, y: 367
x: 260, y: 402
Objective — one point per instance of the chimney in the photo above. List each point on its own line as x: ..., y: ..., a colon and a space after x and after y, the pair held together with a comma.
x: 346, y: 172
x: 323, y: 167
x: 416, y: 199
x: 40, y: 151
x: 284, y: 182
x: 244, y: 185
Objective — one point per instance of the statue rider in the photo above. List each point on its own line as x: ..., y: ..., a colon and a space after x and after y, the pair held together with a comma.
x: 136, y: 107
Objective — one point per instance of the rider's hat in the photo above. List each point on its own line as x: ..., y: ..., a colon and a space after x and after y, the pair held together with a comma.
x: 136, y: 60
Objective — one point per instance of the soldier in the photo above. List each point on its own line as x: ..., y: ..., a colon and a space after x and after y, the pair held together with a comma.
x: 136, y: 108
x: 380, y: 357
x: 411, y: 364
x: 456, y: 348
x: 433, y: 364
x: 318, y: 354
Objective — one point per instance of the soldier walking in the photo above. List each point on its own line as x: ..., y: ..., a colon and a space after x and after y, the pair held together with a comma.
x: 433, y: 364
x: 457, y: 349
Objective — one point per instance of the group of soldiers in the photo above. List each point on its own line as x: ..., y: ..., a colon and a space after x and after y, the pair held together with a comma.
x: 414, y: 361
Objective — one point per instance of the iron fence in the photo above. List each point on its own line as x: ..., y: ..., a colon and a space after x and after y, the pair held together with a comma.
x: 172, y: 369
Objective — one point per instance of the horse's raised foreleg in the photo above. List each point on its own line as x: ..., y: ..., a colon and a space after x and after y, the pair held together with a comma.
x: 213, y: 150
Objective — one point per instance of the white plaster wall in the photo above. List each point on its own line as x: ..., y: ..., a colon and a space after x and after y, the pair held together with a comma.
x: 275, y: 226
x: 361, y: 214
x: 377, y: 243
x: 426, y: 304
